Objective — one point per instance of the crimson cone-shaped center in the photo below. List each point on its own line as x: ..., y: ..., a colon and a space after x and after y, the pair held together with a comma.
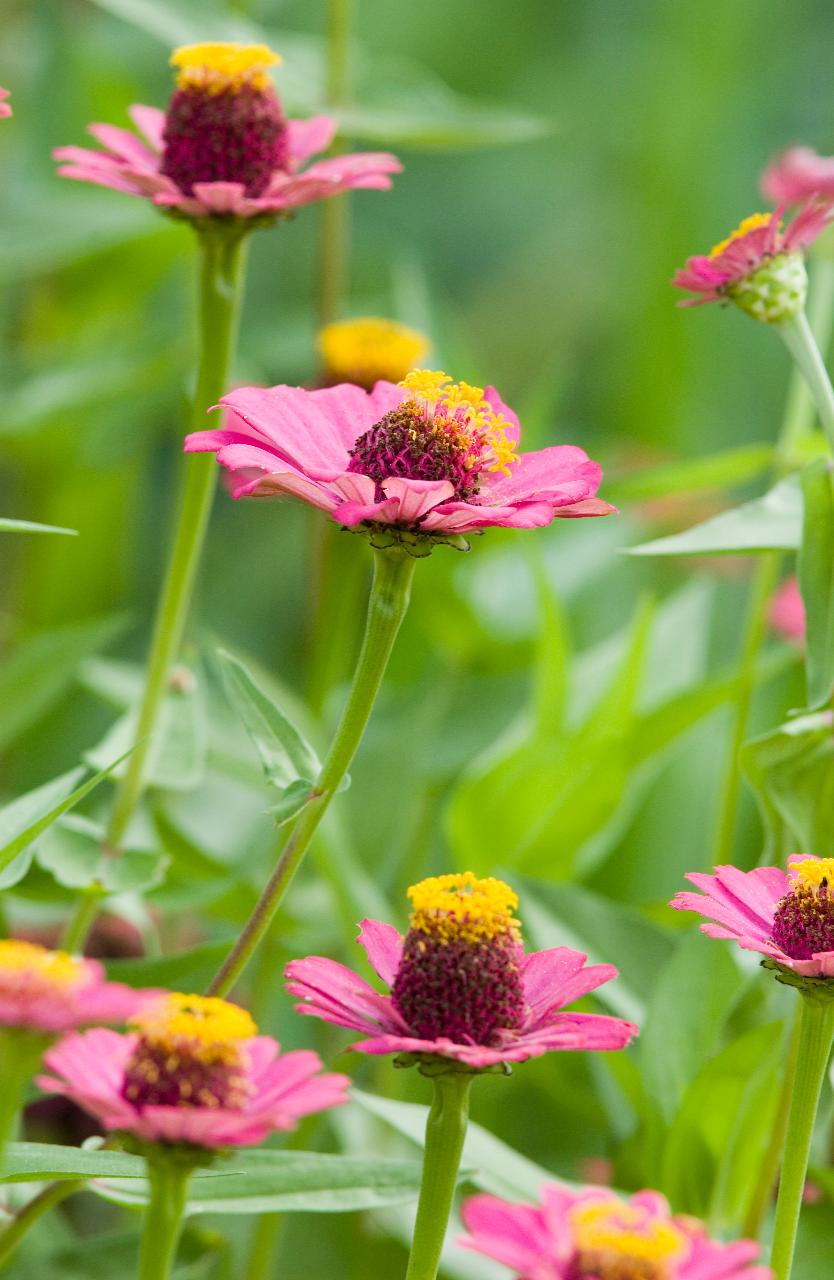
x: 235, y: 134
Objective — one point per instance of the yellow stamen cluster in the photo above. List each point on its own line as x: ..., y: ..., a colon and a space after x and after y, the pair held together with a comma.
x: 369, y: 349
x: 755, y: 221
x: 811, y: 873
x: 27, y: 958
x: 463, y: 908
x: 221, y: 66
x: 608, y: 1226
x: 212, y: 1027
x: 464, y: 404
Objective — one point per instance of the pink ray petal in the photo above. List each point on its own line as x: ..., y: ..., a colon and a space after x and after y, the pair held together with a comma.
x: 308, y: 137
x: 151, y: 122
x: 384, y: 948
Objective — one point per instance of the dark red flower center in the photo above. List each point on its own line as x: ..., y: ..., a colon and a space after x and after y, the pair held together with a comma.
x: 233, y: 134
x: 181, y: 1073
x: 410, y: 443
x: 610, y: 1265
x: 460, y: 972
x: 803, y: 923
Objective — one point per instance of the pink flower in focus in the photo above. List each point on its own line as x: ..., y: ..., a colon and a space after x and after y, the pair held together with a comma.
x: 423, y: 456
x: 797, y: 175
x: 787, y: 612
x: 759, y: 266
x: 593, y: 1234
x: 787, y: 917
x: 5, y: 109
x: 461, y: 985
x: 193, y: 1071
x: 50, y: 991
x: 224, y: 147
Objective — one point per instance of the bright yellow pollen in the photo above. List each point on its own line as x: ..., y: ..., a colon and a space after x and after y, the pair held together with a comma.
x: 435, y: 392
x: 462, y: 907
x: 621, y: 1228
x: 28, y: 958
x: 219, y: 66
x: 749, y: 224
x: 368, y: 349
x: 809, y: 873
x: 212, y: 1027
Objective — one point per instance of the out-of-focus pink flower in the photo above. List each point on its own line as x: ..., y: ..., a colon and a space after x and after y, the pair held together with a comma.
x: 797, y: 175
x: 787, y: 917
x: 426, y: 456
x: 759, y: 266
x: 50, y: 991
x: 461, y: 985
x: 193, y: 1071
x: 787, y: 612
x: 593, y: 1234
x: 224, y: 147
x: 5, y: 109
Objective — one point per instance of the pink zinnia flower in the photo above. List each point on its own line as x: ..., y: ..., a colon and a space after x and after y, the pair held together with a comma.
x: 759, y: 266
x: 461, y: 985
x: 425, y: 457
x: 787, y: 917
x: 787, y: 612
x: 224, y: 147
x: 193, y: 1071
x: 5, y: 109
x: 798, y: 174
x: 593, y: 1234
x: 50, y: 991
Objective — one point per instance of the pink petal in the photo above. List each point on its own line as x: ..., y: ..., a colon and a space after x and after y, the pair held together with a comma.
x: 415, y: 497
x: 307, y: 137
x: 151, y: 122
x: 384, y: 948
x: 125, y: 145
x: 513, y: 1234
x: 500, y: 406
x: 221, y: 197
x: 553, y: 979
x: 337, y: 994
x: 562, y: 473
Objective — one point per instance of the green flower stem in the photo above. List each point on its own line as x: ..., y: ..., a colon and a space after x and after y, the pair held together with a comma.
x: 797, y: 419
x: 798, y: 337
x: 32, y: 1212
x: 445, y: 1134
x: 168, y: 1179
x: 816, y: 1034
x: 387, y: 605
x: 80, y: 922
x: 769, y: 1168
x: 335, y: 213
x: 20, y: 1055
x: 221, y: 284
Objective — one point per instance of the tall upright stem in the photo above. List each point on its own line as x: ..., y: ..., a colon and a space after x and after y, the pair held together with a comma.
x: 221, y: 277
x: 816, y: 1034
x: 387, y: 605
x: 768, y: 1169
x: 445, y: 1135
x: 168, y: 1181
x: 798, y: 418
x: 799, y: 339
x: 335, y: 214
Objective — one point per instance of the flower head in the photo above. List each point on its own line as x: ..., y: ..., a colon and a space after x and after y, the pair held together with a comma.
x: 224, y: 147
x: 367, y: 350
x: 797, y: 175
x: 193, y: 1070
x: 787, y: 917
x: 787, y: 612
x: 425, y: 459
x: 594, y: 1234
x: 461, y: 986
x: 759, y: 267
x: 5, y: 109
x: 50, y: 991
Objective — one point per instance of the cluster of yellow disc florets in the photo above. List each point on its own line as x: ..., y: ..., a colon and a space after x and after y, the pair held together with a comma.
x: 218, y: 67
x: 464, y: 405
x: 20, y: 958
x: 368, y: 349
x: 611, y: 1227
x: 463, y: 908
x: 209, y: 1025
x: 752, y: 223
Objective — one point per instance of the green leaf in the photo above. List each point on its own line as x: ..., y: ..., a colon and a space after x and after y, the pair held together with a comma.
x: 770, y: 523
x: 72, y: 851
x: 43, y: 1161
x: 265, y: 1181
x: 29, y: 526
x: 491, y: 1164
x: 816, y: 581
x: 724, y: 470
x: 41, y: 670
x: 22, y: 821
x: 177, y: 757
x: 433, y: 118
x: 693, y: 996
x: 295, y: 798
x: 791, y: 769
x: 286, y: 755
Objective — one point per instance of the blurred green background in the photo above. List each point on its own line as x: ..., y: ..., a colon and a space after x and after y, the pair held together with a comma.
x: 554, y: 709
